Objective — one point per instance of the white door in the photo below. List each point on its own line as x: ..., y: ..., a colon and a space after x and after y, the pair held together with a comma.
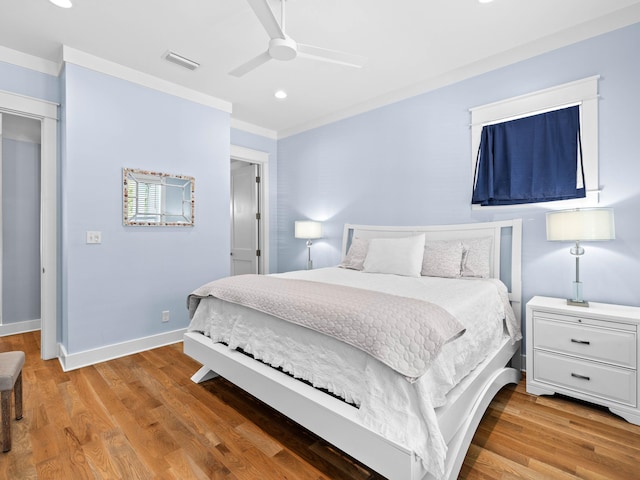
x: 245, y: 218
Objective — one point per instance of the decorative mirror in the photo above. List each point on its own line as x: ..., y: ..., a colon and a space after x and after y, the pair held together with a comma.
x: 157, y: 199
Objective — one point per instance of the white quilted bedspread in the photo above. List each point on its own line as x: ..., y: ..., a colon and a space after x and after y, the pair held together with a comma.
x: 399, y: 410
x: 404, y: 333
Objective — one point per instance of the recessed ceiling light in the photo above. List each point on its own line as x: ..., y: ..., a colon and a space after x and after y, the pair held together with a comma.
x: 62, y: 3
x: 485, y: 1
x: 280, y: 94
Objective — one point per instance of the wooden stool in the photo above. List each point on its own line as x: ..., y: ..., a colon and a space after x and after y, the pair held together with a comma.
x: 10, y: 379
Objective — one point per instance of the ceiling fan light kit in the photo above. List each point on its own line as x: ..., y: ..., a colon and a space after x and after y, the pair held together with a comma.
x: 283, y: 47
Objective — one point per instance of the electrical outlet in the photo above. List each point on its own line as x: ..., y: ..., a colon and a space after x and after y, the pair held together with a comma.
x: 165, y: 316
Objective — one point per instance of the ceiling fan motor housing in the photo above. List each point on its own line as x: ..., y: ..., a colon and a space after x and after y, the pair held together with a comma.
x: 283, y: 48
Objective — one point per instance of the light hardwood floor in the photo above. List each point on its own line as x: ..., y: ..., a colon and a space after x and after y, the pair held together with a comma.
x: 140, y: 417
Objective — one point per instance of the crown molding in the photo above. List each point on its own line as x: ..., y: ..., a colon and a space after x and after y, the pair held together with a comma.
x: 255, y: 129
x: 83, y: 59
x: 31, y: 62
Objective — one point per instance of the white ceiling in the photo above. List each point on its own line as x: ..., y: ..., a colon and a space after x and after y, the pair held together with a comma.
x: 411, y: 45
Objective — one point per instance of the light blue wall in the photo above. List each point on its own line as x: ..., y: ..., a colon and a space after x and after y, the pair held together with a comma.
x: 241, y: 138
x: 20, y: 231
x: 28, y: 82
x: 116, y: 291
x: 410, y: 163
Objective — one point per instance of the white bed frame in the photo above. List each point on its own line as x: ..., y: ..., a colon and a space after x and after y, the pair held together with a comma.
x: 336, y: 421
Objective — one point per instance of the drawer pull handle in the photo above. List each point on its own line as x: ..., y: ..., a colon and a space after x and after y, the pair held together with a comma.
x: 581, y: 342
x: 581, y: 377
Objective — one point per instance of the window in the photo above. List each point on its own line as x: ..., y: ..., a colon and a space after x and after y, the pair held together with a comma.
x: 582, y: 93
x: 530, y: 160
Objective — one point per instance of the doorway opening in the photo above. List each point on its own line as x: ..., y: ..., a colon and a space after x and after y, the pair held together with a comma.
x: 20, y: 140
x: 249, y: 211
x: 46, y: 114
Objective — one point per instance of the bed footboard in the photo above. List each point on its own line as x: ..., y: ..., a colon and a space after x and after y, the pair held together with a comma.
x: 336, y: 421
x: 327, y: 417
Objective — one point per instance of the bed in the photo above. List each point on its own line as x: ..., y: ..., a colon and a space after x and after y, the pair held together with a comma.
x: 408, y: 418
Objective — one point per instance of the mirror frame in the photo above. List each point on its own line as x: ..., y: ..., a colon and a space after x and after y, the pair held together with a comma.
x: 187, y: 184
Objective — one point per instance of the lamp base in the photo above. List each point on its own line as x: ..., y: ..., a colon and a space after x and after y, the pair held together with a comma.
x: 309, y: 261
x: 577, y: 303
x: 577, y: 300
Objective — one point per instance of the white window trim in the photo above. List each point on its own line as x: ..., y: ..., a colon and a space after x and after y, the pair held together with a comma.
x: 581, y: 92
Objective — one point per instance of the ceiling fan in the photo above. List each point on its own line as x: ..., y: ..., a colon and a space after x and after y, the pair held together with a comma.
x: 283, y: 47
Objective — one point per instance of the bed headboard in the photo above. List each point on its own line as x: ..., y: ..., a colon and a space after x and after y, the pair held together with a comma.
x: 506, y: 255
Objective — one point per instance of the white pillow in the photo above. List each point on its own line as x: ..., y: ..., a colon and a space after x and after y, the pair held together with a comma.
x: 354, y: 259
x: 476, y: 257
x: 398, y: 256
x: 442, y: 258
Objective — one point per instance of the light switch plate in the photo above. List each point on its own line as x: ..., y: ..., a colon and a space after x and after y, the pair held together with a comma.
x: 94, y: 237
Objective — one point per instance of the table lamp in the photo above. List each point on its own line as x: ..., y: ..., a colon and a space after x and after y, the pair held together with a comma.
x: 580, y: 225
x: 310, y: 230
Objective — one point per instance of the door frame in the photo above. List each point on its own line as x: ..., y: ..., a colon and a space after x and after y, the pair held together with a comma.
x: 47, y: 113
x: 249, y: 155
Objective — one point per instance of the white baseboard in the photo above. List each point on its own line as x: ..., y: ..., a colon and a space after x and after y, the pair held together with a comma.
x: 19, y: 327
x: 90, y: 357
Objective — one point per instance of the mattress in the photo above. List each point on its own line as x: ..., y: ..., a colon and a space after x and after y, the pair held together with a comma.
x: 386, y: 402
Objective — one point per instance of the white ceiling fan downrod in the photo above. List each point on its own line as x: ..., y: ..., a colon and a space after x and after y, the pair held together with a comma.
x: 283, y: 48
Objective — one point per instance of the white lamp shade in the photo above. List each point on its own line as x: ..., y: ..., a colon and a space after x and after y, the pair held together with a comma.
x: 588, y: 224
x: 308, y: 229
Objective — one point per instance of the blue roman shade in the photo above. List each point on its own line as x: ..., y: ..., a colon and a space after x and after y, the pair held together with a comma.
x: 529, y: 160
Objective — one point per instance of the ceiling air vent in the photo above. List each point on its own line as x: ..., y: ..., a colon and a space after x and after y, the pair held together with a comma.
x: 180, y: 60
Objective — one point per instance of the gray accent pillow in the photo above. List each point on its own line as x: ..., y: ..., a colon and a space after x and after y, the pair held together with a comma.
x: 476, y: 260
x: 442, y: 258
x: 354, y: 259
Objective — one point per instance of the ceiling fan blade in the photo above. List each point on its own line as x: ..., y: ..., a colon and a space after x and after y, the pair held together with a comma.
x: 268, y: 20
x: 331, y: 56
x: 251, y: 64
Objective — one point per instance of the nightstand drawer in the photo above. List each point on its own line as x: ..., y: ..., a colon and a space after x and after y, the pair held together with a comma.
x: 617, y: 347
x: 603, y: 381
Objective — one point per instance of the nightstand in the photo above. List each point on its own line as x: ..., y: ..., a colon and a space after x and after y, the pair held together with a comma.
x: 590, y: 353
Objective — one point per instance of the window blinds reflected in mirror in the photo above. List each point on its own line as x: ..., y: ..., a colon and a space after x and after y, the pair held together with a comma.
x: 157, y: 199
